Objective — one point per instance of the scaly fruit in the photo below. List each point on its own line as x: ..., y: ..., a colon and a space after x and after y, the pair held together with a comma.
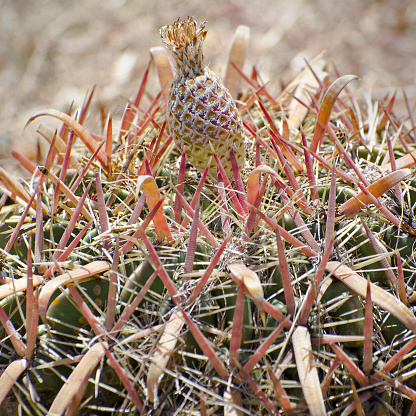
x: 201, y: 110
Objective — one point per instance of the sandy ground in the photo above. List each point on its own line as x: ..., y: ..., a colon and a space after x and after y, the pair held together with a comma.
x: 52, y: 52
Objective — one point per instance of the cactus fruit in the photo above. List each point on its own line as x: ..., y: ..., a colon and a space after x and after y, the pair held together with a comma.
x: 201, y: 111
x: 130, y: 287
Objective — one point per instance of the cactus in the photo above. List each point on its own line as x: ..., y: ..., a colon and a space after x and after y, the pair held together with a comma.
x: 130, y: 285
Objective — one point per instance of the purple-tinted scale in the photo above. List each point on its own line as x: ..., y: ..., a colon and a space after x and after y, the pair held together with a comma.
x: 204, y: 99
x: 226, y: 125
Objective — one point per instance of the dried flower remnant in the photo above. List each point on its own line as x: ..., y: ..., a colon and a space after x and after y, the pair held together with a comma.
x: 202, y: 112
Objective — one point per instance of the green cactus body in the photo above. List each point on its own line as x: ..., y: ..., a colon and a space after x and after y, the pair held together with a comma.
x: 178, y: 349
x: 65, y: 317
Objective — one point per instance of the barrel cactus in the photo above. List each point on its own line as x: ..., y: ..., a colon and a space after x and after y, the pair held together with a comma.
x: 274, y: 275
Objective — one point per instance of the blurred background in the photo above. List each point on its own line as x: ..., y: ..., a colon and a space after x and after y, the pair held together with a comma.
x: 52, y: 52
